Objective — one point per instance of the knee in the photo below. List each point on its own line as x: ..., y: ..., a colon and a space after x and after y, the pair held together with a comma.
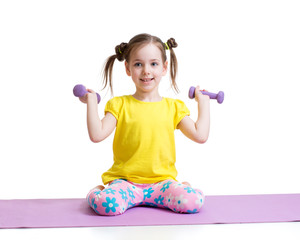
x: 105, y: 204
x: 188, y: 200
x: 195, y: 204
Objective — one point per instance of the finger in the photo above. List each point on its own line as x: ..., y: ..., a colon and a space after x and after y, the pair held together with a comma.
x: 198, y: 91
x: 82, y: 100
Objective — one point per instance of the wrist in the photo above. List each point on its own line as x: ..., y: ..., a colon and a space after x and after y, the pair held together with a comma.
x: 203, y: 102
x: 92, y: 98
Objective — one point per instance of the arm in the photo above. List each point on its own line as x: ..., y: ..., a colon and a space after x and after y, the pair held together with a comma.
x: 198, y: 131
x: 98, y: 129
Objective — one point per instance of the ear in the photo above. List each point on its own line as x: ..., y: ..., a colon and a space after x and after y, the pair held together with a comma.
x: 165, y: 68
x: 127, y: 69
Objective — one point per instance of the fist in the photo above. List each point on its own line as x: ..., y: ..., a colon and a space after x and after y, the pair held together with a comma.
x: 199, y: 97
x: 89, y: 96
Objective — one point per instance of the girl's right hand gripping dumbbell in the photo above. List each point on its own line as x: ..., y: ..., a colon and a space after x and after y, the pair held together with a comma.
x: 86, y: 95
x: 89, y: 96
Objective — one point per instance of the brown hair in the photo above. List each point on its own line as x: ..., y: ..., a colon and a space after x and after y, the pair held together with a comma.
x: 122, y: 52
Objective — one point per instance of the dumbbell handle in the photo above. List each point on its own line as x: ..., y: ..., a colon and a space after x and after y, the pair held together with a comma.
x: 79, y: 91
x: 219, y: 96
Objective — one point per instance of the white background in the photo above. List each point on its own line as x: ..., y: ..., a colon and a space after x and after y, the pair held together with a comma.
x: 248, y: 49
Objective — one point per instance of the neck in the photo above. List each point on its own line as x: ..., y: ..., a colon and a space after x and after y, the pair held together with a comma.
x: 147, y: 97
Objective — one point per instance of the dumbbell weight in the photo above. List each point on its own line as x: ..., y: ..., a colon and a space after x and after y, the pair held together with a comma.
x: 79, y: 91
x: 218, y: 96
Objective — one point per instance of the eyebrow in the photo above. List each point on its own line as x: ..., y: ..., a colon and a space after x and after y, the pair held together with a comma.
x: 139, y: 60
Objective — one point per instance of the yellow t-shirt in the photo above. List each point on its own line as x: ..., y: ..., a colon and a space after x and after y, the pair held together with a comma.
x: 144, y: 143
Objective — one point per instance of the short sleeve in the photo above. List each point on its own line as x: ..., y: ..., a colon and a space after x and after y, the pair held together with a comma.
x: 113, y: 106
x: 181, y: 111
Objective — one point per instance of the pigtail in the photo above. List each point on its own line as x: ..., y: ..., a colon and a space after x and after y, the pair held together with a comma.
x: 109, y: 64
x: 170, y: 44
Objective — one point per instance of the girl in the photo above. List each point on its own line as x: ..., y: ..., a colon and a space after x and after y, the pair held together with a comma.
x: 144, y: 170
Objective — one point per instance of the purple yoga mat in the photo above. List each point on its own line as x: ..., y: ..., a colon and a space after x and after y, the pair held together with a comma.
x: 47, y: 213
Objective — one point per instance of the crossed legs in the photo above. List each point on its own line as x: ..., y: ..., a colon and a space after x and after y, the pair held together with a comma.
x: 121, y: 195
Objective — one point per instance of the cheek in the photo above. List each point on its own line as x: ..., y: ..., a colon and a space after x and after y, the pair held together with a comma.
x: 160, y: 72
x: 135, y: 73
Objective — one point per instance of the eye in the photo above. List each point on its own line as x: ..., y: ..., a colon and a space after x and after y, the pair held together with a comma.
x: 154, y: 64
x: 137, y: 64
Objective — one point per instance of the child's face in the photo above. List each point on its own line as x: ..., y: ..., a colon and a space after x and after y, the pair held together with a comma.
x: 146, y: 67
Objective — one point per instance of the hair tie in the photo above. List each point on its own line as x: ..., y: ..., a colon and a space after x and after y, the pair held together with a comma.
x: 167, y: 46
x: 120, y: 51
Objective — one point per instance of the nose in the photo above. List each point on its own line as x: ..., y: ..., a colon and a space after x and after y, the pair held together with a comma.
x: 146, y: 70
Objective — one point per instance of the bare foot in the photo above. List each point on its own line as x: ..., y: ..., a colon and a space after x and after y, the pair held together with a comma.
x: 100, y: 187
x: 186, y: 183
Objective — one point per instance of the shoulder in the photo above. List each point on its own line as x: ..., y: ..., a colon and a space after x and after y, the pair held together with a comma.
x: 177, y: 103
x: 178, y: 108
x: 117, y: 101
x: 115, y: 105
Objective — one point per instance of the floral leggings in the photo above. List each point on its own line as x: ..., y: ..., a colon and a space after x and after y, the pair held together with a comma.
x: 121, y: 195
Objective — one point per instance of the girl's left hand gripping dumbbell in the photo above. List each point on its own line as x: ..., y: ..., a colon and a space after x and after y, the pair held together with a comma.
x: 219, y: 96
x: 80, y: 91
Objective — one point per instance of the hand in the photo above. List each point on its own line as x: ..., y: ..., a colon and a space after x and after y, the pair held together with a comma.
x: 199, y: 97
x: 90, y: 96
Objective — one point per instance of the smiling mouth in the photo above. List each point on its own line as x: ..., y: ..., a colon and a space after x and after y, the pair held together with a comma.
x: 146, y: 79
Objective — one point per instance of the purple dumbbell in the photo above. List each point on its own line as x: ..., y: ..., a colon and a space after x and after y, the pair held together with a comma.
x: 80, y: 90
x: 219, y: 96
